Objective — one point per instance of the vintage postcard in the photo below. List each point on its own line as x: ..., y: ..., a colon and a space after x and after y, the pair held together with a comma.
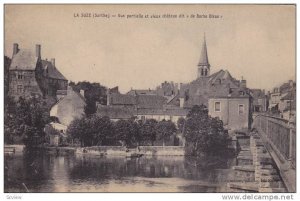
x: 149, y: 98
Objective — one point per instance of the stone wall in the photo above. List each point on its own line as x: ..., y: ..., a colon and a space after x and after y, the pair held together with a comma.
x: 123, y: 151
x: 261, y: 174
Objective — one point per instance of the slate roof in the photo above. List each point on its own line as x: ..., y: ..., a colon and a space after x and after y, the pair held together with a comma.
x: 257, y: 93
x: 291, y: 95
x: 140, y: 101
x: 135, y: 92
x: 122, y: 99
x: 203, y: 57
x: 25, y: 59
x: 167, y: 112
x: 116, y: 112
x: 285, y: 87
x: 150, y: 101
x: 51, y: 71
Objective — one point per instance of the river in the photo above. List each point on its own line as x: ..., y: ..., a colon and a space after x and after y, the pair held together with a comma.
x: 44, y: 172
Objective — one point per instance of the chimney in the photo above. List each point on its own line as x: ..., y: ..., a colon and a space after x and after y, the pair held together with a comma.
x: 264, y: 92
x: 15, y: 48
x: 108, y: 96
x: 176, y: 88
x: 38, y: 50
x: 180, y: 86
x: 53, y: 62
x: 181, y: 102
x: 243, y: 83
x: 81, y: 90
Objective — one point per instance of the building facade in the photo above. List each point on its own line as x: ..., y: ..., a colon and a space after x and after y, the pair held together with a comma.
x: 30, y: 76
x: 233, y: 109
x: 260, y: 100
x: 69, y: 107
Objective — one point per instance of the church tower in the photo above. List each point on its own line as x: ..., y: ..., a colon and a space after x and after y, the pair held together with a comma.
x: 203, y: 65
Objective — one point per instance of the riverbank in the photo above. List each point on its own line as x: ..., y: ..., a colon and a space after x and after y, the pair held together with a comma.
x: 119, y: 151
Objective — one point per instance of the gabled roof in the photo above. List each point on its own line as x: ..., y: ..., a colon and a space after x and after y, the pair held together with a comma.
x: 291, y: 95
x: 196, y: 100
x: 223, y: 77
x: 70, y: 95
x: 51, y: 71
x: 25, y: 59
x: 257, y: 93
x: 285, y: 87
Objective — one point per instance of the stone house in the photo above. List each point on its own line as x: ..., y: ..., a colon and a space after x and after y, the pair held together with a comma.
x: 232, y: 106
x: 141, y: 107
x: 69, y: 107
x: 30, y: 75
x: 281, y: 96
x: 259, y: 100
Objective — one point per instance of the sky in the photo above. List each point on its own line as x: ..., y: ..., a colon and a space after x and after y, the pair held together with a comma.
x: 256, y: 42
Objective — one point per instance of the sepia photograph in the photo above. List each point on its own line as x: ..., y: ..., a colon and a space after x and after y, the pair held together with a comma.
x: 160, y: 98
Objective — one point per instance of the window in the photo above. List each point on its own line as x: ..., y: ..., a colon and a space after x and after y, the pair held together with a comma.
x: 217, y: 106
x: 19, y: 89
x: 205, y: 72
x: 20, y: 76
x: 202, y: 71
x: 241, y: 109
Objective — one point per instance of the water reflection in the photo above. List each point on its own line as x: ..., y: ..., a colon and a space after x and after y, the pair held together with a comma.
x: 43, y: 172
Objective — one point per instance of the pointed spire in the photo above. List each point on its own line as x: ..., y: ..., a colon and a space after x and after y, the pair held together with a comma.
x: 203, y: 57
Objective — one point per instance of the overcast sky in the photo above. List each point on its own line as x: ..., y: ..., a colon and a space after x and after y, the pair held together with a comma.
x: 256, y: 42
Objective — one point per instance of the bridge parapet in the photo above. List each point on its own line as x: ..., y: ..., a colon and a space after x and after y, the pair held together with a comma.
x: 279, y: 137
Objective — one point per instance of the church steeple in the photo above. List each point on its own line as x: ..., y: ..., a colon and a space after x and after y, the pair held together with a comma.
x: 203, y: 65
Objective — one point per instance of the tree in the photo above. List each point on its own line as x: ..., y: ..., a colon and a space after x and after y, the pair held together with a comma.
x: 90, y: 107
x: 103, y: 129
x: 165, y: 129
x: 203, y: 133
x: 78, y: 130
x: 92, y: 130
x: 148, y: 130
x: 27, y: 120
x: 180, y: 124
x: 7, y: 62
x: 127, y: 131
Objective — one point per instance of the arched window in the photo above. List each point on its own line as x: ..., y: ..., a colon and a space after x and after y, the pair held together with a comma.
x: 202, y: 72
x: 205, y: 72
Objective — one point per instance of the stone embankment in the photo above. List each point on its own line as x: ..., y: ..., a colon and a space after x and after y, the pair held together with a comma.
x: 256, y: 171
x: 141, y: 150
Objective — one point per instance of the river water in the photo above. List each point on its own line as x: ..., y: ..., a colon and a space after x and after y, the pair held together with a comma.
x: 45, y: 172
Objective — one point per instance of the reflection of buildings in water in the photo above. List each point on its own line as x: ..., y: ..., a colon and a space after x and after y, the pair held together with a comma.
x: 68, y: 173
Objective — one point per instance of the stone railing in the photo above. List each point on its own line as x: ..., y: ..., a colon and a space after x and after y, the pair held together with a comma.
x: 279, y: 137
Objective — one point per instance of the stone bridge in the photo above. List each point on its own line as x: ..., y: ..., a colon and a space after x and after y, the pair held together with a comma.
x: 267, y: 160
